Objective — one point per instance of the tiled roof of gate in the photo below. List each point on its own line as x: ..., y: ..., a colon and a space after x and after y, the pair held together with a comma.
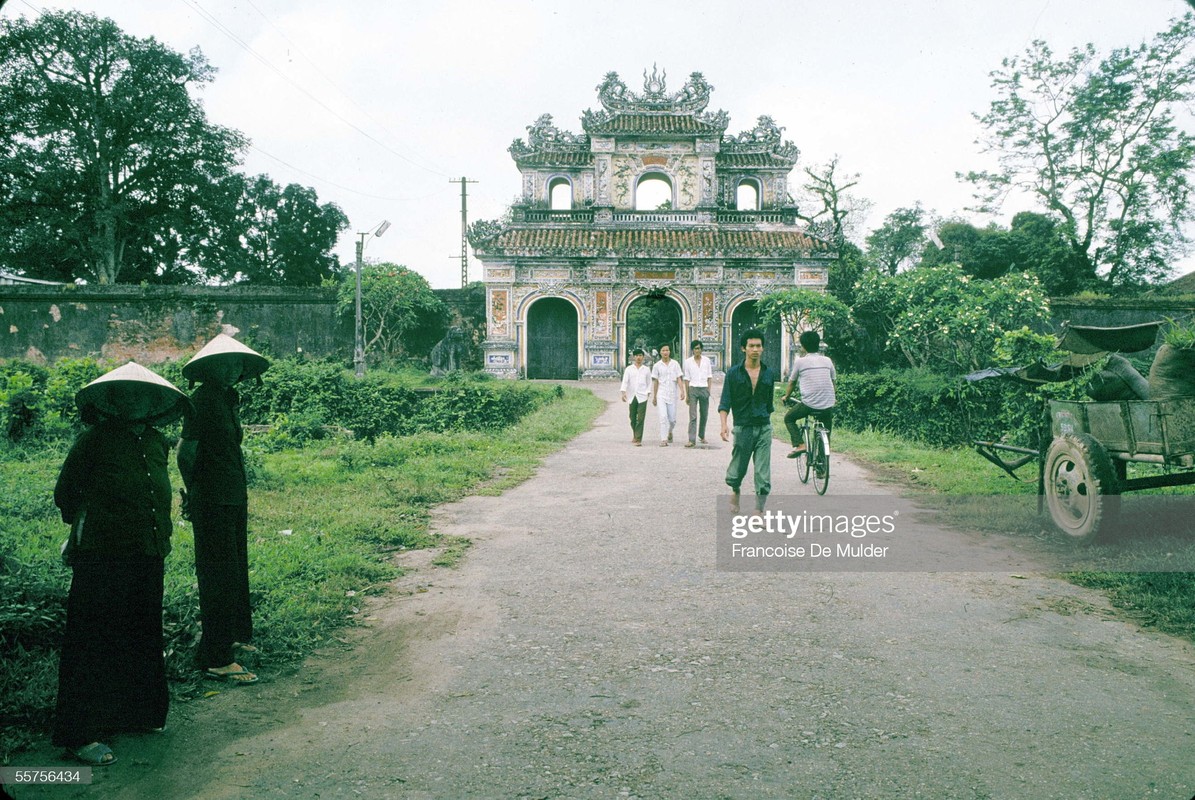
x: 555, y: 158
x: 741, y: 160
x: 655, y: 124
x: 630, y: 241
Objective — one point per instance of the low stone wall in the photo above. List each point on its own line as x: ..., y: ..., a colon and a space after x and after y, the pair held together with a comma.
x: 1108, y: 313
x: 153, y: 324
x: 159, y: 323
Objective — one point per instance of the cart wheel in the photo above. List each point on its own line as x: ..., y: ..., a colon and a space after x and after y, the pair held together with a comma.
x: 1081, y: 486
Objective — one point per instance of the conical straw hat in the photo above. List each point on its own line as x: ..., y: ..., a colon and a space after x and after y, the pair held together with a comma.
x: 221, y: 349
x: 166, y: 402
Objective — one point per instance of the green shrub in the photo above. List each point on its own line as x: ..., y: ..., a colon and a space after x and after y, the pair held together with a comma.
x: 937, y: 409
x: 1180, y: 335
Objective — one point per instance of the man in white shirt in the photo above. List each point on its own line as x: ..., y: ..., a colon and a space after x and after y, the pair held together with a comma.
x: 636, y: 379
x: 666, y: 385
x: 697, y: 373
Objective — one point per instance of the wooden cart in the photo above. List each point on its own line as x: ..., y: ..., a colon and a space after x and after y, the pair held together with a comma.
x: 1084, y: 469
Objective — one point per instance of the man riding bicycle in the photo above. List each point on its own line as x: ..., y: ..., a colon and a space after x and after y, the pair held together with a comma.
x: 814, y: 374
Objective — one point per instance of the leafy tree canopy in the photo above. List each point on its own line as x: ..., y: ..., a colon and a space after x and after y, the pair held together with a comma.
x: 1034, y: 243
x: 899, y: 242
x: 110, y: 171
x: 940, y: 318
x: 1097, y: 141
x: 801, y: 310
x: 401, y: 315
x: 268, y: 235
x: 103, y: 150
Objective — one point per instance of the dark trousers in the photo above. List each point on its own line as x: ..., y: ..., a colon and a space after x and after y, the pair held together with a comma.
x: 752, y: 444
x: 222, y: 567
x: 699, y: 407
x: 112, y: 673
x: 638, y: 415
x: 800, y: 411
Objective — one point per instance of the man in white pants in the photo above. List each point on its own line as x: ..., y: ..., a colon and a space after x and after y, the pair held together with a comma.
x: 666, y: 390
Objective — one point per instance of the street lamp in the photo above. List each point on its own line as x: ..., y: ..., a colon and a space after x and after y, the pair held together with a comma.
x: 359, y: 346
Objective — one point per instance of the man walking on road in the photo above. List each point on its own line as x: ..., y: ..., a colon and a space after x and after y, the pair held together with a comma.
x: 697, y: 373
x: 636, y: 379
x: 747, y: 393
x: 666, y: 384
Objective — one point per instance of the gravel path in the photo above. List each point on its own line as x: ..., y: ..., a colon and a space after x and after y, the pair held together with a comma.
x: 588, y: 647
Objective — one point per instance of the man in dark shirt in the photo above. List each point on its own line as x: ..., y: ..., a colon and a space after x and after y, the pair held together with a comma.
x: 747, y: 394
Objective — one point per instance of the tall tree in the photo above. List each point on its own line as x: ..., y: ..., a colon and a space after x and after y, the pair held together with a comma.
x: 834, y: 214
x: 269, y: 235
x: 981, y: 252
x: 900, y: 241
x: 104, y: 153
x: 1097, y: 141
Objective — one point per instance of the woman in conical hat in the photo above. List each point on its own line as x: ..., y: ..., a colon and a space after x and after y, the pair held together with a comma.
x: 114, y: 492
x: 223, y: 357
x: 213, y: 468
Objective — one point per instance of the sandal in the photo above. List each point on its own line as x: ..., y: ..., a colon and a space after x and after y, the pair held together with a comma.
x: 244, y: 647
x: 238, y: 676
x: 95, y: 754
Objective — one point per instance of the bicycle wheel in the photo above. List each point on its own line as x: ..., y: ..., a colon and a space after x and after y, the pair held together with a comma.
x: 821, y: 460
x: 803, y: 459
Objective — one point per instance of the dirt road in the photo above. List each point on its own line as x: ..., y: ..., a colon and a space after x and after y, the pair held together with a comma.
x: 588, y: 647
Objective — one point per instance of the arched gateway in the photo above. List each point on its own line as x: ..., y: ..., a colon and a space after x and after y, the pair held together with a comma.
x: 725, y: 236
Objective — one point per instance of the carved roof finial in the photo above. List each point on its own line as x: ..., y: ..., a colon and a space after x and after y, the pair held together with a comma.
x: 654, y: 86
x: 693, y: 97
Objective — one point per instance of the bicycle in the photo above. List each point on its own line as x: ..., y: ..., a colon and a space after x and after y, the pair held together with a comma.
x: 815, y: 458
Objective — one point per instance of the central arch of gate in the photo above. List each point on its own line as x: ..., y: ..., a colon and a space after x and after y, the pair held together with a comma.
x: 723, y: 233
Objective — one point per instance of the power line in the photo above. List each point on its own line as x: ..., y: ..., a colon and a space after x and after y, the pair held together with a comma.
x: 340, y: 186
x: 194, y: 5
x: 316, y: 66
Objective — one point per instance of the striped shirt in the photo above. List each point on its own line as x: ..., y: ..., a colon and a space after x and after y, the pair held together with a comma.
x: 815, y: 375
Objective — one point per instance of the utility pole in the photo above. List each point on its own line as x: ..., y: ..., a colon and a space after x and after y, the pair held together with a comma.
x: 358, y: 333
x: 464, y: 229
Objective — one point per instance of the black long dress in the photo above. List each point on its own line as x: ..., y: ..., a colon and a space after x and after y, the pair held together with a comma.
x: 220, y: 519
x: 114, y: 490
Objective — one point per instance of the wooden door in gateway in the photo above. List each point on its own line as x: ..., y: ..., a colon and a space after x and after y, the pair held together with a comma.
x: 552, y: 339
x: 744, y: 318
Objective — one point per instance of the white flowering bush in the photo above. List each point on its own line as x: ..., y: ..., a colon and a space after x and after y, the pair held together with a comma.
x: 938, y: 318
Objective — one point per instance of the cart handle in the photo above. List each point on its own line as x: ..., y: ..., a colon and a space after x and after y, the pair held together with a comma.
x: 991, y: 450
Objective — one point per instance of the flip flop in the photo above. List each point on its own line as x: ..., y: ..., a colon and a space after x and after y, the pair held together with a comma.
x: 95, y: 754
x: 238, y: 677
x: 244, y: 647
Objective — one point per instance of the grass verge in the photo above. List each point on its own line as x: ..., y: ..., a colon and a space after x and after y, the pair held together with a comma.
x: 325, y: 522
x: 1164, y: 601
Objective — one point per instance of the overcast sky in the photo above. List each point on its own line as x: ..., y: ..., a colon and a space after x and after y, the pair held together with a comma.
x: 379, y: 104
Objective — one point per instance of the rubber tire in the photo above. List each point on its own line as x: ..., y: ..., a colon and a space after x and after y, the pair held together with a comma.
x: 1082, y: 490
x: 803, y: 459
x: 821, y: 478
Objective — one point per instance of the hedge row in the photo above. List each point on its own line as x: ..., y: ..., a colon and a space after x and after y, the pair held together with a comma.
x: 939, y: 410
x: 298, y: 400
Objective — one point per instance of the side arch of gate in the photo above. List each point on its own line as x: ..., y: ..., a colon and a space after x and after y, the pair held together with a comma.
x: 525, y: 333
x: 620, y: 322
x: 780, y: 349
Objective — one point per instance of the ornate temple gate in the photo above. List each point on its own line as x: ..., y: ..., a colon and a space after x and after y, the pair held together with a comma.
x: 597, y: 256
